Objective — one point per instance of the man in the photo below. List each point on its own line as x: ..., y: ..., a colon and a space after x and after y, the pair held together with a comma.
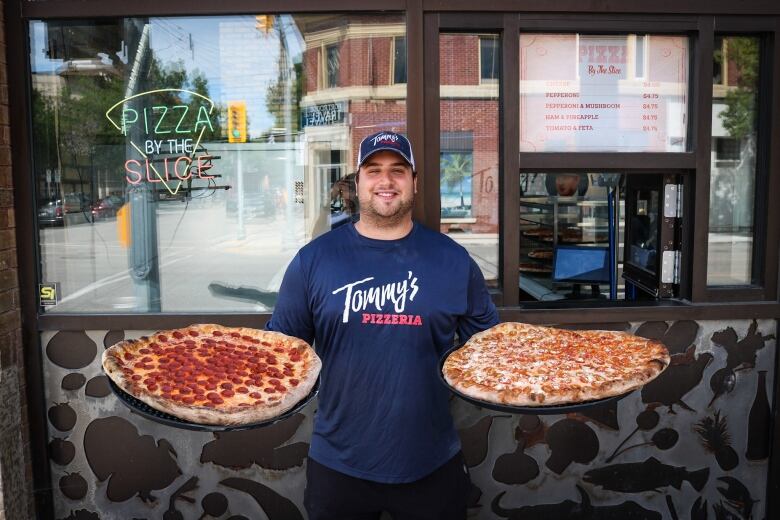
x: 382, y: 299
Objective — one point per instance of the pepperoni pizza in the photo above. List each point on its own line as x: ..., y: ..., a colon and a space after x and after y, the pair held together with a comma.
x: 209, y: 374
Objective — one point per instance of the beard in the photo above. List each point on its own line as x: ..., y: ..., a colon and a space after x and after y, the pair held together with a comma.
x: 384, y: 216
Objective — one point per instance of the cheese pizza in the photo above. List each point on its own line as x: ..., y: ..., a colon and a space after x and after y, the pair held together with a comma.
x: 526, y: 365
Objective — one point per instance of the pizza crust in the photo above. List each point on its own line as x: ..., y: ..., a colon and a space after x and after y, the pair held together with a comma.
x: 227, y: 415
x: 558, y: 366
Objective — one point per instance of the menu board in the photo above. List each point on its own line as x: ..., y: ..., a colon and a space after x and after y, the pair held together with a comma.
x: 590, y: 93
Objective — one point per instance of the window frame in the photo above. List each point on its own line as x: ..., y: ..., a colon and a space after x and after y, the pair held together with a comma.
x: 766, y: 230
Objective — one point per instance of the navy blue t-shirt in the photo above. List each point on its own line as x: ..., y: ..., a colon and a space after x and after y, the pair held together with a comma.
x: 380, y: 314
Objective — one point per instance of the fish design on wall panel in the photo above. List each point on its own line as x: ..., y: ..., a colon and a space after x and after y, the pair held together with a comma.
x: 650, y: 475
x: 570, y: 510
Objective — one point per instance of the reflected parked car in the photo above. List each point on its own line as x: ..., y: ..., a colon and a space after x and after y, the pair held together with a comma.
x: 106, y: 207
x: 51, y: 213
x: 76, y: 202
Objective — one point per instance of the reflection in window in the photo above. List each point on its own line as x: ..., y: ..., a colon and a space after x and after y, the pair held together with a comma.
x: 603, y: 93
x: 332, y: 60
x: 399, y: 61
x: 733, y: 164
x: 456, y: 165
x: 488, y: 58
x: 469, y: 143
x: 565, y: 248
x: 180, y: 163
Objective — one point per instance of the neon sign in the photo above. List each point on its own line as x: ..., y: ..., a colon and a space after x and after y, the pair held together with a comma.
x: 163, y: 128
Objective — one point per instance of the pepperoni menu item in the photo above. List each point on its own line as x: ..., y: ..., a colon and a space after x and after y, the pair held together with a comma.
x: 526, y: 365
x: 209, y: 374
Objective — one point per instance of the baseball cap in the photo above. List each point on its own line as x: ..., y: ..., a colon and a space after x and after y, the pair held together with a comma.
x: 386, y: 141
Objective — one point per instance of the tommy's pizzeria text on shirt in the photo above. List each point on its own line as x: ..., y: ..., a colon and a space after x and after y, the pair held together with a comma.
x: 363, y: 299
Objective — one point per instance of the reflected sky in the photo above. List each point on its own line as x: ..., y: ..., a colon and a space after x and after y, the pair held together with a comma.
x: 239, y: 61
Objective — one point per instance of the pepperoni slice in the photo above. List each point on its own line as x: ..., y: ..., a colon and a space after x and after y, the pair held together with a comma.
x: 280, y: 350
x: 216, y: 333
x: 128, y: 356
x: 235, y: 334
x: 188, y: 400
x: 178, y: 335
x: 294, y: 382
x: 227, y: 393
x: 144, y: 351
x: 242, y: 390
x: 269, y: 390
x: 211, y: 386
x: 151, y: 387
x: 281, y: 388
x: 256, y: 395
x: 226, y: 386
x: 193, y: 333
x: 136, y: 377
x: 163, y: 338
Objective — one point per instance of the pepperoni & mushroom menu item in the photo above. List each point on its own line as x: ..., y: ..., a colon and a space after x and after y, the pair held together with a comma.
x: 526, y: 365
x: 209, y: 374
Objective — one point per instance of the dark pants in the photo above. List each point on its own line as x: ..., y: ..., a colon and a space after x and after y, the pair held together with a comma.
x: 332, y: 495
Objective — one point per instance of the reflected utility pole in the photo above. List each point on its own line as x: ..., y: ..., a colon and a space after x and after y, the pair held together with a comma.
x: 286, y: 73
x: 143, y: 255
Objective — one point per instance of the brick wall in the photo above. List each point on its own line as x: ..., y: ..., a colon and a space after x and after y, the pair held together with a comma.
x: 15, y: 468
x: 459, y: 59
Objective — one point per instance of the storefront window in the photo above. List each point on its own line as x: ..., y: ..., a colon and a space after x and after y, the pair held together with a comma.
x: 181, y: 162
x: 733, y: 161
x: 469, y: 146
x: 603, y: 93
x: 571, y: 226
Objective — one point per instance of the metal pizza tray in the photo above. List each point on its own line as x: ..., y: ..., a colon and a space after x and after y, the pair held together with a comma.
x: 525, y: 410
x: 141, y: 408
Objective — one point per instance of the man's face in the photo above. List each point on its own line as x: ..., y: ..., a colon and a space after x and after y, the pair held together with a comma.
x: 386, y: 187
